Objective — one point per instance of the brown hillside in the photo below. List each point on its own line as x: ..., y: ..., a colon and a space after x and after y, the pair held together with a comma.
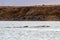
x: 30, y: 13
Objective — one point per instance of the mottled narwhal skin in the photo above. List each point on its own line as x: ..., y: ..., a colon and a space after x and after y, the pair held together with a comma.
x: 30, y: 13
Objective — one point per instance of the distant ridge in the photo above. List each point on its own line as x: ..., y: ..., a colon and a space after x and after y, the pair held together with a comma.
x: 30, y: 13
